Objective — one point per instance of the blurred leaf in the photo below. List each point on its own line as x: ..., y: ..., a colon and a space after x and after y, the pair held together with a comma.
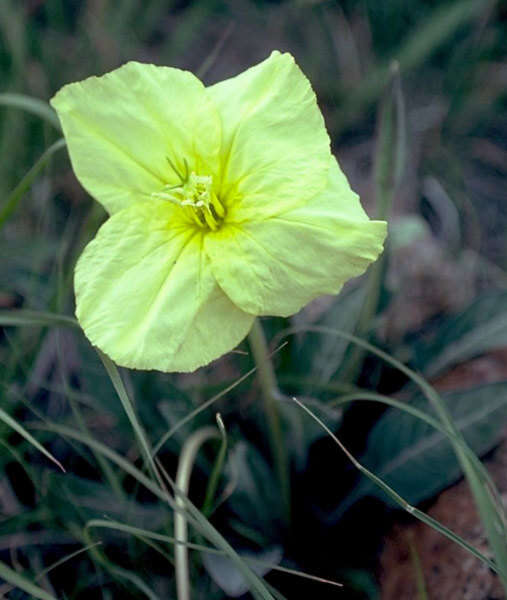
x: 322, y: 356
x: 418, y: 46
x: 481, y: 327
x: 256, y: 497
x: 229, y: 579
x: 417, y: 461
x: 402, y: 503
x: 92, y: 499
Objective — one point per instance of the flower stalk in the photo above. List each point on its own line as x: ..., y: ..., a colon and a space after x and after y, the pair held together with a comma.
x: 271, y: 395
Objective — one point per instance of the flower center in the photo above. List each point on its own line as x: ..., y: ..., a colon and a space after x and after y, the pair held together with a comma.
x: 195, y: 195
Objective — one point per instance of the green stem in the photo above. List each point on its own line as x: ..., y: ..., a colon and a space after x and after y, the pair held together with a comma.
x: 185, y: 465
x: 271, y: 394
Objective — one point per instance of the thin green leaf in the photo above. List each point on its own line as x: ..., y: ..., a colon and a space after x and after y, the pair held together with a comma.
x: 418, y: 461
x: 37, y: 107
x: 490, y: 510
x: 193, y: 515
x: 400, y: 500
x: 102, y: 523
x: 21, y: 317
x: 8, y: 420
x: 22, y: 583
x: 65, y: 559
x: 13, y: 199
x: 128, y: 407
x: 208, y: 403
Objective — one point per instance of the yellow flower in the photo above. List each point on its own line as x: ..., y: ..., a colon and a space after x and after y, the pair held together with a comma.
x: 225, y: 203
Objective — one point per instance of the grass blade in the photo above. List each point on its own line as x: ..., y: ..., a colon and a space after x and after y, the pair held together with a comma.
x: 407, y: 408
x: 193, y: 515
x: 128, y: 407
x: 21, y: 317
x: 483, y: 490
x: 143, y: 533
x: 208, y: 403
x: 37, y: 107
x: 18, y: 581
x: 13, y: 199
x: 399, y: 500
x: 8, y: 420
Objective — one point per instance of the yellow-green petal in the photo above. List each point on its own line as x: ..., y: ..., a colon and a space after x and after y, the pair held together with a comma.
x: 121, y: 128
x: 145, y: 294
x: 275, y: 148
x: 276, y: 266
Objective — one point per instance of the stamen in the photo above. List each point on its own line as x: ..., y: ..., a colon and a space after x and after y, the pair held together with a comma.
x: 195, y: 195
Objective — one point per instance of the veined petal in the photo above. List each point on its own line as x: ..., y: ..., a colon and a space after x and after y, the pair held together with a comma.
x: 146, y: 296
x: 121, y: 127
x: 276, y: 266
x: 275, y: 148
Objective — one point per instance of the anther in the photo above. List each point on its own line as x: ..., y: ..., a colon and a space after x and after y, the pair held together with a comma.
x: 195, y: 195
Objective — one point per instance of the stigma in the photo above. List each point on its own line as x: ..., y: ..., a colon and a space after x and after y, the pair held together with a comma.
x: 195, y: 195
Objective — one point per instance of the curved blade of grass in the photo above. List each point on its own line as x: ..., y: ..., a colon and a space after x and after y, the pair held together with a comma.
x: 399, y: 500
x: 8, y: 420
x: 193, y: 515
x: 409, y: 409
x: 192, y: 414
x: 185, y: 466
x: 102, y: 523
x: 105, y: 467
x: 117, y: 571
x: 62, y: 561
x: 208, y: 403
x: 258, y: 587
x: 22, y: 583
x: 22, y: 317
x: 116, y: 380
x: 10, y: 205
x: 491, y: 512
x: 37, y: 107
x: 65, y: 559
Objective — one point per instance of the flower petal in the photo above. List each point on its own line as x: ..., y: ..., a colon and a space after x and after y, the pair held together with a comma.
x: 145, y: 294
x: 276, y: 266
x: 121, y: 127
x: 273, y: 137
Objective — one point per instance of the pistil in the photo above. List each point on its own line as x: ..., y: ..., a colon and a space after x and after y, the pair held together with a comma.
x: 195, y: 195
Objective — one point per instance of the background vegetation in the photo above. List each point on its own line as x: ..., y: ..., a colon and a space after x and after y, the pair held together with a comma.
x: 414, y: 96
